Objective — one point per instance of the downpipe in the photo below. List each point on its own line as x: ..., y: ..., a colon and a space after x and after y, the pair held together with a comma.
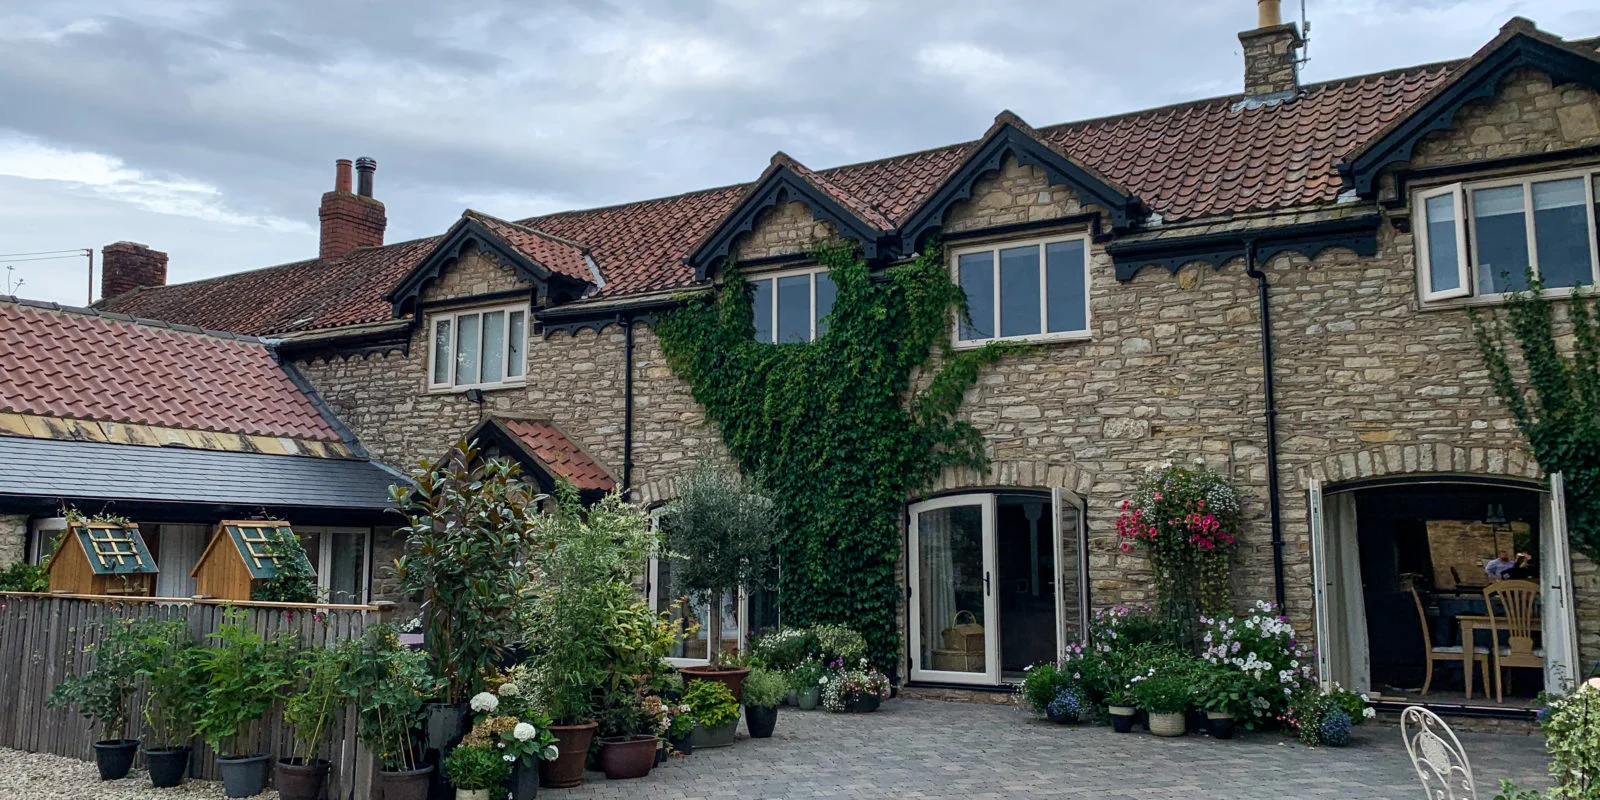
x: 1275, y: 503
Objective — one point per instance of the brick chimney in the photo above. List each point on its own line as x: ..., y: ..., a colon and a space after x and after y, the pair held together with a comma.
x: 1271, y: 58
x: 351, y: 220
x: 125, y: 266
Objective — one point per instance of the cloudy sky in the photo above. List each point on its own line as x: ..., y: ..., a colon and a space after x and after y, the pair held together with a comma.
x: 208, y: 128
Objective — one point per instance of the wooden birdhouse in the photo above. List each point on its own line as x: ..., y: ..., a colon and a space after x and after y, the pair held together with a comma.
x: 102, y: 558
x: 239, y: 556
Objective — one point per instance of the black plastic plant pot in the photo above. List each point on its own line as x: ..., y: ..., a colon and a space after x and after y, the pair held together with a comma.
x: 298, y: 780
x: 244, y: 776
x: 168, y: 767
x: 1122, y: 722
x: 760, y: 721
x: 114, y: 757
x: 1220, y: 727
x: 682, y: 744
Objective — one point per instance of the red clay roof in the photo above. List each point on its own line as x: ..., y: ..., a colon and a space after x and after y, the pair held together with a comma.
x: 86, y: 365
x: 555, y: 253
x: 560, y: 454
x: 1188, y: 161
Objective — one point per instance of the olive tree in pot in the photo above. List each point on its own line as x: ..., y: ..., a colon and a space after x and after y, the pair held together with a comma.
x: 388, y: 683
x: 763, y: 691
x: 175, y: 687
x: 719, y: 531
x: 104, y: 692
x: 316, y: 699
x: 245, y: 674
x: 469, y: 520
x: 584, y: 564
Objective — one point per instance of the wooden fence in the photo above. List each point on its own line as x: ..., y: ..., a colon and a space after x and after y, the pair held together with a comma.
x: 43, y: 639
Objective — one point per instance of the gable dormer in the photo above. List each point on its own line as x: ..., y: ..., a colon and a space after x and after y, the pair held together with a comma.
x: 547, y: 268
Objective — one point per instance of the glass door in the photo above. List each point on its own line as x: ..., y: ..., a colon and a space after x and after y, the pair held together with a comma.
x: 954, y: 619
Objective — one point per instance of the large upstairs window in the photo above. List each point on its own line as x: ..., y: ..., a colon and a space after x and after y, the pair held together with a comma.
x: 1028, y: 291
x: 1480, y: 239
x: 480, y: 348
x: 792, y: 306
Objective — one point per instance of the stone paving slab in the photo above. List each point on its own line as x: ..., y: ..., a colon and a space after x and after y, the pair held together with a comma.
x: 927, y: 749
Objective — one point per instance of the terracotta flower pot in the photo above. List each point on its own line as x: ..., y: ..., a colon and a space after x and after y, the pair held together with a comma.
x: 566, y: 770
x: 624, y: 757
x: 731, y: 677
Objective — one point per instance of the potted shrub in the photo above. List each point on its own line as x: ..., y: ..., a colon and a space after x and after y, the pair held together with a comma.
x: 627, y: 726
x: 676, y: 726
x: 585, y: 563
x: 722, y: 529
x: 716, y: 713
x: 1224, y: 693
x: 857, y: 690
x: 806, y: 681
x: 763, y: 691
x: 1163, y: 693
x: 316, y: 701
x: 475, y: 771
x: 388, y: 683
x: 245, y: 674
x: 516, y: 729
x: 104, y: 692
x: 469, y: 518
x: 1121, y: 704
x: 1040, y: 685
x: 175, y: 685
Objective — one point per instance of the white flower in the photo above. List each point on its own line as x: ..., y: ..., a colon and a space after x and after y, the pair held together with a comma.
x: 508, y: 756
x: 551, y: 752
x: 483, y: 701
x: 524, y: 731
x: 1369, y: 713
x: 501, y: 745
x: 508, y: 690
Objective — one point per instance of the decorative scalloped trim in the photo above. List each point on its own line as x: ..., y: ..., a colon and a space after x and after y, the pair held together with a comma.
x: 782, y: 186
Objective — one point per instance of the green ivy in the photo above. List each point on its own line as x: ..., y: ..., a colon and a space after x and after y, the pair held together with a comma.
x: 1556, y: 398
x: 837, y: 427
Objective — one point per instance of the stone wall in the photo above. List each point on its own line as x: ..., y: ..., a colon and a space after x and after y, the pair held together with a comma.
x: 1528, y: 115
x: 13, y: 538
x: 782, y: 230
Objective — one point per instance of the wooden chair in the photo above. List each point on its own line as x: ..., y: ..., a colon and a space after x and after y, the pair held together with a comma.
x: 1436, y: 652
x: 1437, y: 756
x: 1517, y: 600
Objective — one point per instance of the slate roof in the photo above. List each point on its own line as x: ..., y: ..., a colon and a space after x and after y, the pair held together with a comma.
x: 62, y: 470
x: 1195, y: 160
x: 84, y: 365
x: 560, y: 455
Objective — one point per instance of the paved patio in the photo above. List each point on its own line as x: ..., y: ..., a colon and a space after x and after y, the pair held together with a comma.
x: 929, y: 749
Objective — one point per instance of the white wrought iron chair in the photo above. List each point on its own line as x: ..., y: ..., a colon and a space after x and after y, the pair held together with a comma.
x: 1437, y: 756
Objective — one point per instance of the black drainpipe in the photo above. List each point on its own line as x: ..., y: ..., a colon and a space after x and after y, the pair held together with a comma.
x: 1275, y: 503
x: 627, y: 402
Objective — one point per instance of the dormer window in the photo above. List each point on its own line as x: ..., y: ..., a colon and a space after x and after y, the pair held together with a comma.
x: 478, y: 348
x: 1024, y: 291
x: 792, y: 306
x: 1480, y: 239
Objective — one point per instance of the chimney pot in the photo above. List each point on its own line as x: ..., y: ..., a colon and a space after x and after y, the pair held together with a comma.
x: 341, y: 175
x: 125, y: 266
x: 1269, y: 13
x: 365, y: 166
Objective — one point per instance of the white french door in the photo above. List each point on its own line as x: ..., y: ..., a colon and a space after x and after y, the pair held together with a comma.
x: 954, y: 619
x: 1555, y: 578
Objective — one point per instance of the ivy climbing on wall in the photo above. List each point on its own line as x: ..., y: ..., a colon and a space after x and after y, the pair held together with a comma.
x: 842, y: 430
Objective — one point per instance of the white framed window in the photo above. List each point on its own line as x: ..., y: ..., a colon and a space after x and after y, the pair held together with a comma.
x: 792, y: 306
x: 1479, y: 239
x: 1034, y: 290
x: 339, y: 556
x: 478, y: 348
x: 664, y: 595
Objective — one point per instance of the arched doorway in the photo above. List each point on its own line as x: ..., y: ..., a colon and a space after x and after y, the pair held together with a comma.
x: 1400, y: 565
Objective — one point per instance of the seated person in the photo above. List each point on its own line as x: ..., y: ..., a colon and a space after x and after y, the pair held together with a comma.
x: 1501, y: 567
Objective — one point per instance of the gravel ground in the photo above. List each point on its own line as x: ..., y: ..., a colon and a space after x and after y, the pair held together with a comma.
x: 40, y: 776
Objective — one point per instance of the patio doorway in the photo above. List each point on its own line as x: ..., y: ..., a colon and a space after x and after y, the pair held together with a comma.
x: 997, y: 583
x: 1401, y: 568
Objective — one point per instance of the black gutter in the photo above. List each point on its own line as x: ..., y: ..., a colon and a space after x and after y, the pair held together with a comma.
x: 1276, y: 503
x: 627, y: 402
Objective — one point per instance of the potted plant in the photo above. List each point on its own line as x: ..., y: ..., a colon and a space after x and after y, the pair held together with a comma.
x: 1067, y: 707
x: 1121, y: 704
x: 475, y: 770
x: 857, y: 690
x: 1163, y: 693
x: 169, y: 663
x: 806, y: 680
x: 469, y: 518
x: 586, y: 616
x: 1224, y: 693
x: 388, y: 683
x: 628, y: 742
x: 245, y: 674
x: 763, y: 691
x: 316, y: 701
x: 676, y: 726
x: 716, y: 713
x: 104, y: 692
x: 516, y: 729
x: 722, y: 529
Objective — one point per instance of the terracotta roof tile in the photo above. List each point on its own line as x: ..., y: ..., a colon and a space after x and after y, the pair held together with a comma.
x: 1188, y: 161
x: 74, y: 364
x: 554, y: 252
x: 560, y: 454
